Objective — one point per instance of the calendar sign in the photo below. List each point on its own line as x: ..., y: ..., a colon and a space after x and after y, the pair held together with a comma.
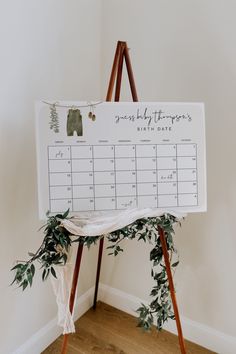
x: 112, y: 156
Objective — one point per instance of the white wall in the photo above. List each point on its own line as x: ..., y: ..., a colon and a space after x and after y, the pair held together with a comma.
x: 49, y: 49
x: 185, y: 51
x: 181, y: 51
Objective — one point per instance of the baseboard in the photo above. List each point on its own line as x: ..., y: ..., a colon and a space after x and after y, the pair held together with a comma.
x: 203, y: 335
x: 46, y: 335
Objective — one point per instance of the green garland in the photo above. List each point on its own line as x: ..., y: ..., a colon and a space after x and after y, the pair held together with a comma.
x: 57, y: 242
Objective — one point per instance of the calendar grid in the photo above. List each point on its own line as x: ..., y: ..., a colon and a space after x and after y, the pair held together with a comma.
x: 114, y: 177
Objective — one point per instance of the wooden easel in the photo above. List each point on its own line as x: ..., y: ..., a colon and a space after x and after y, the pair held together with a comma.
x: 121, y: 54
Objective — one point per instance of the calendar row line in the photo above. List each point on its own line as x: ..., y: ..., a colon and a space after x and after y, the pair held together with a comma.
x: 114, y: 190
x: 101, y: 204
x: 117, y: 158
x: 119, y: 151
x: 122, y: 164
x: 102, y: 184
x: 142, y: 176
x: 121, y: 196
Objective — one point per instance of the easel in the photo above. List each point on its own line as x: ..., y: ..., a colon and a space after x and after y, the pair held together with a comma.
x: 121, y: 54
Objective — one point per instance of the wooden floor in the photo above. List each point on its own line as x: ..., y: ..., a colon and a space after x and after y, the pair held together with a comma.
x: 108, y: 330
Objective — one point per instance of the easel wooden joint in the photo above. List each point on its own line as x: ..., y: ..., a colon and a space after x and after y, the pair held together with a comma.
x: 121, y: 55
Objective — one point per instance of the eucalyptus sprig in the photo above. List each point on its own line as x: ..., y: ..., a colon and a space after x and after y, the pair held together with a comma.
x: 147, y: 230
x: 58, y: 240
x: 53, y: 251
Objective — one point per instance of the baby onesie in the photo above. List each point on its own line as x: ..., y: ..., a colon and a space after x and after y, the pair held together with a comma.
x: 74, y: 122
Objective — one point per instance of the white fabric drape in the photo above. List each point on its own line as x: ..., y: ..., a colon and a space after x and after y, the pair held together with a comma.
x: 62, y: 287
x: 101, y: 224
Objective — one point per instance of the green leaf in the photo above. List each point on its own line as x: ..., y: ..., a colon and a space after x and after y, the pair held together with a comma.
x: 32, y: 268
x: 53, y: 272
x: 24, y: 284
x: 110, y: 247
x: 44, y: 274
x: 119, y: 249
x: 30, y: 278
x: 64, y: 216
x: 18, y: 266
x: 14, y: 280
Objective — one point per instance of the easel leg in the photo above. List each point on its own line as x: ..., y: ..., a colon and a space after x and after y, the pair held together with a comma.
x: 130, y: 74
x: 172, y: 289
x: 113, y: 72
x: 98, y: 272
x: 73, y: 291
x: 119, y: 72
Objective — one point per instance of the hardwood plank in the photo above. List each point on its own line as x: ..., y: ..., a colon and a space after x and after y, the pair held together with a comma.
x: 55, y: 348
x: 91, y: 340
x: 109, y: 330
x: 126, y: 325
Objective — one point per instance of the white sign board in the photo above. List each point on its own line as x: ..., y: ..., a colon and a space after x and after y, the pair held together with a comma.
x: 114, y: 156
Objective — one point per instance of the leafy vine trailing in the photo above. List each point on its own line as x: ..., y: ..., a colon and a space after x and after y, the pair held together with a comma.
x: 58, y: 240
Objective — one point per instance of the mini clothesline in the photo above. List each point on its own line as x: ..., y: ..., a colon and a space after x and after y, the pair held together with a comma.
x: 57, y: 104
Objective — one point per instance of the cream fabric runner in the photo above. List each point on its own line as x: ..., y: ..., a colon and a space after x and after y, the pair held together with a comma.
x: 91, y: 224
